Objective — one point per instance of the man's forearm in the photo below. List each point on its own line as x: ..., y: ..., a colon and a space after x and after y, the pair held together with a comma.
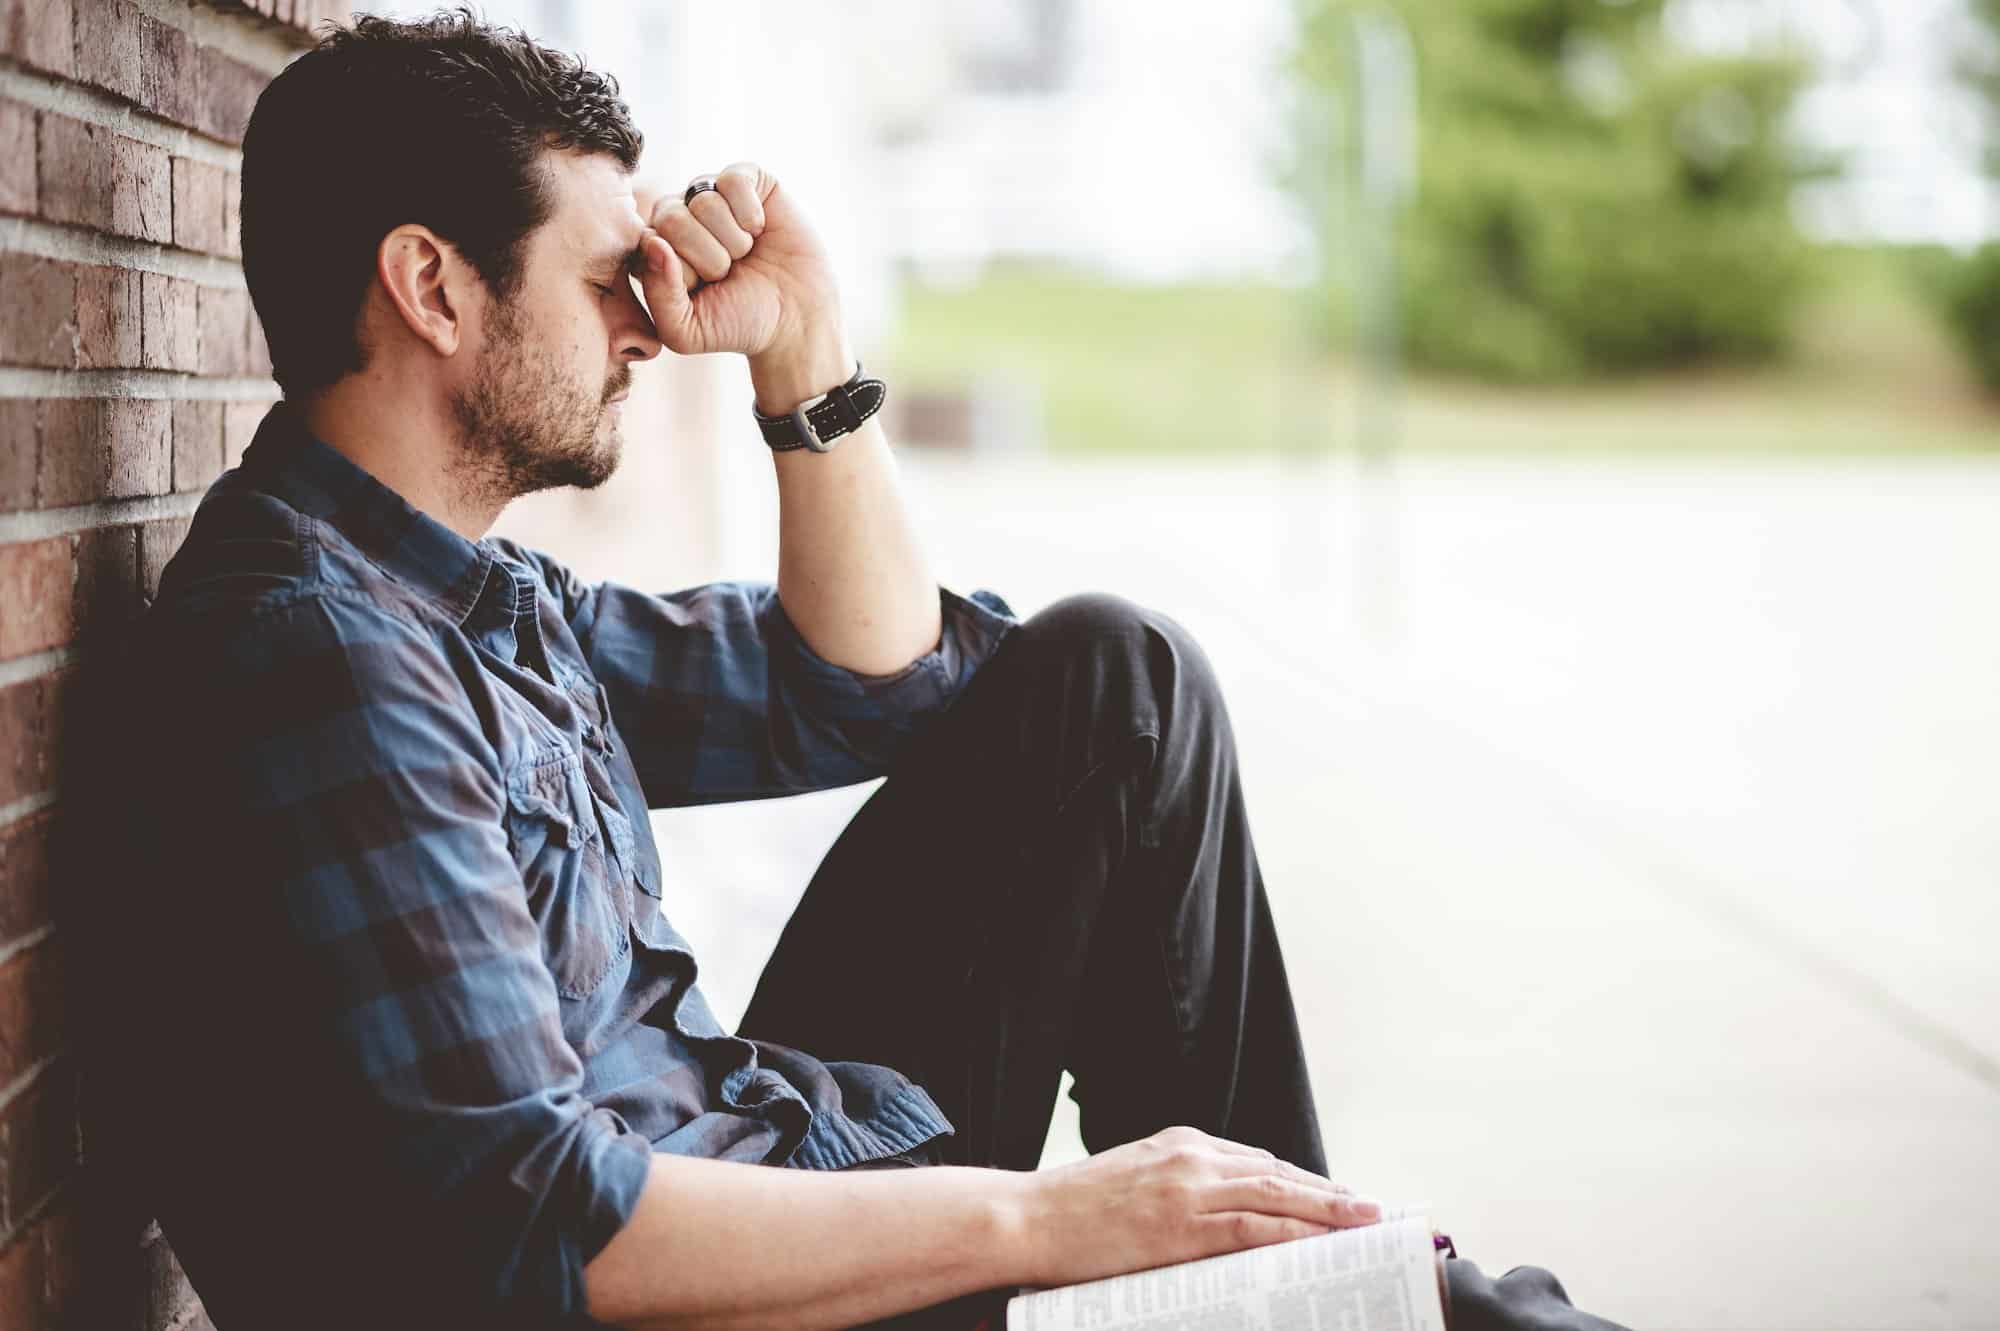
x: 852, y: 574
x: 725, y: 1246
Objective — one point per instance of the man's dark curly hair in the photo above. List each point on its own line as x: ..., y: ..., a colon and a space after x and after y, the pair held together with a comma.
x: 440, y: 121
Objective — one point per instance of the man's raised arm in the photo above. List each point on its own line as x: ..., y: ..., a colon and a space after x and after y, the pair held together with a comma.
x: 851, y: 572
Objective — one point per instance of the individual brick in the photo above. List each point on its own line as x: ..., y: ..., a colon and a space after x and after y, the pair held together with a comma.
x: 95, y: 177
x: 20, y: 450
x: 167, y: 72
x: 30, y: 735
x: 25, y: 900
x: 197, y: 440
x: 37, y: 579
x: 232, y: 216
x: 169, y: 321
x: 17, y: 159
x: 225, y: 332
x: 104, y: 448
x: 239, y: 426
x: 157, y: 543
x: 38, y: 33
x: 259, y: 362
x: 108, y: 319
x: 110, y: 46
x: 105, y: 598
x: 226, y: 92
x: 23, y: 761
x: 198, y: 205
x: 31, y: 1010
x: 39, y: 299
x: 38, y: 1142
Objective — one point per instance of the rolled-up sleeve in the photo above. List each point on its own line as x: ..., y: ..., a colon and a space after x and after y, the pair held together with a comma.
x: 354, y: 773
x: 718, y: 696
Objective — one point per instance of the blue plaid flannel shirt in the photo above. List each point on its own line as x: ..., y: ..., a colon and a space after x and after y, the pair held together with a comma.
x: 422, y: 1016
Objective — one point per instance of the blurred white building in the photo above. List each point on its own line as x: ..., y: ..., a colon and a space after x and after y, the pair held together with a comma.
x: 1133, y: 138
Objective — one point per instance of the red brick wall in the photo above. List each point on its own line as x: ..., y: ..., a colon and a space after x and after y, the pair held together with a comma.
x: 132, y: 371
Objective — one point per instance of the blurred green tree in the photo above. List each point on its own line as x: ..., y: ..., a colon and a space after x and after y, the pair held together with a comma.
x: 1589, y: 198
x: 1969, y: 286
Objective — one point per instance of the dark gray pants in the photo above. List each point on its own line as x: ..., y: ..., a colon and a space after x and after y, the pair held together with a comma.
x: 1058, y: 873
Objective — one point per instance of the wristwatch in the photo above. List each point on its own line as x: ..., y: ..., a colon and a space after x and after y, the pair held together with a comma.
x: 818, y: 421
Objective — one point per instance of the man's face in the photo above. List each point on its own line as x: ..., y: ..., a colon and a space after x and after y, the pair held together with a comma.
x: 542, y: 405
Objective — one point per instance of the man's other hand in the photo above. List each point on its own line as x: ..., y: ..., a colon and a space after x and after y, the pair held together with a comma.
x: 736, y: 268
x: 1175, y: 1196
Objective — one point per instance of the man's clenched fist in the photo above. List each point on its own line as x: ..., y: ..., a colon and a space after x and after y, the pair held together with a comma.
x: 737, y: 269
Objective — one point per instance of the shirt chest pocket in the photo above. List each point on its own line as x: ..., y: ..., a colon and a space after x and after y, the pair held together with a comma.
x: 583, y: 910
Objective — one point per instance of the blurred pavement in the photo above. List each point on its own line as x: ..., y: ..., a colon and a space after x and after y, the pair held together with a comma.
x: 1629, y: 825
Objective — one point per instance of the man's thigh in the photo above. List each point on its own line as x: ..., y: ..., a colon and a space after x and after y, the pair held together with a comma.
x: 913, y: 884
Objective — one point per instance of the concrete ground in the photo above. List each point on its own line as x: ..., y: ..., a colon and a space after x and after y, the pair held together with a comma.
x: 1630, y: 828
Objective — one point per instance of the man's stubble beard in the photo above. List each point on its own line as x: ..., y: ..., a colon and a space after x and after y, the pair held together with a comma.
x: 525, y: 425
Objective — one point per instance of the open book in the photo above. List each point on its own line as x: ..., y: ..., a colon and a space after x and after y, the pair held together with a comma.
x: 1380, y: 1277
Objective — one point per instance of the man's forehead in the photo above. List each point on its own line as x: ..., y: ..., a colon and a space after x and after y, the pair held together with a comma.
x: 595, y: 214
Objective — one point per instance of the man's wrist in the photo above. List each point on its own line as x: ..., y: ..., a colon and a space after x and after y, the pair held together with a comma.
x: 782, y: 378
x: 1019, y: 1224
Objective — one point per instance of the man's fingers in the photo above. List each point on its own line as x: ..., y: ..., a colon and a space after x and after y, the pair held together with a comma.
x: 745, y: 186
x: 666, y: 280
x: 1231, y: 1231
x: 697, y: 247
x: 713, y: 211
x: 1273, y: 1194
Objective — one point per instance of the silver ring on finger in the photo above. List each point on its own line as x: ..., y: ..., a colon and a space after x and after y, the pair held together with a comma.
x: 700, y: 185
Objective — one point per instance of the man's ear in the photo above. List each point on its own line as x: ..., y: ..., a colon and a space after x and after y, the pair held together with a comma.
x: 428, y: 284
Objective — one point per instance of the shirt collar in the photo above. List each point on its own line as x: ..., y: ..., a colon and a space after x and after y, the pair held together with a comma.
x: 287, y: 460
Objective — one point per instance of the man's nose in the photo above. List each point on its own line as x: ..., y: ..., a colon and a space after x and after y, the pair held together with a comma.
x: 637, y: 339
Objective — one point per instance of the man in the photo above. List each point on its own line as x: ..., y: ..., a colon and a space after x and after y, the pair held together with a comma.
x: 413, y: 1043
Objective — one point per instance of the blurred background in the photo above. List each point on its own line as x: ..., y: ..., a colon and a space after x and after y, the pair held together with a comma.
x: 1571, y: 427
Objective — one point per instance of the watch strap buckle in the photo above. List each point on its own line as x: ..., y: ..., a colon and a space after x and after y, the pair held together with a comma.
x: 803, y: 424
x: 820, y: 420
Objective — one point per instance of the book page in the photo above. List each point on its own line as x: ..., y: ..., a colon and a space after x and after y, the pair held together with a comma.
x: 1380, y: 1277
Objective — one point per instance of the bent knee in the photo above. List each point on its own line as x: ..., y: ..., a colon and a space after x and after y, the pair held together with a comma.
x: 1152, y: 641
x: 1087, y: 617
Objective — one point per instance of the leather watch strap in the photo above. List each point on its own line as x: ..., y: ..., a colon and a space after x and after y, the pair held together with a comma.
x: 815, y: 423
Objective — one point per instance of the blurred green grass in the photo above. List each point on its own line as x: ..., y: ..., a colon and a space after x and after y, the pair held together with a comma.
x: 1215, y: 369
